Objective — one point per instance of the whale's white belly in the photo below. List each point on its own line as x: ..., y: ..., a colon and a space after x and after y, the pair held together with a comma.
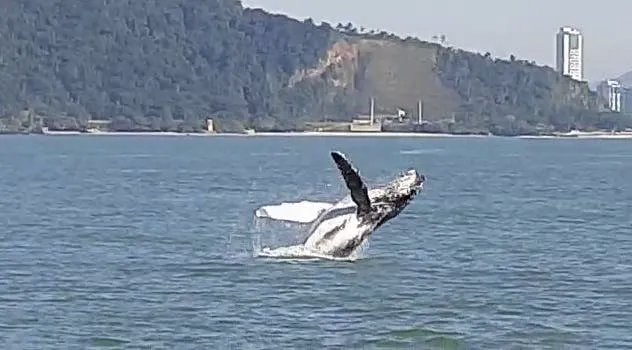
x: 338, y: 226
x: 335, y: 234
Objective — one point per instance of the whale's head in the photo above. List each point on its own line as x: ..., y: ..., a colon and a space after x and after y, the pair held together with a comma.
x: 388, y: 201
x: 404, y: 188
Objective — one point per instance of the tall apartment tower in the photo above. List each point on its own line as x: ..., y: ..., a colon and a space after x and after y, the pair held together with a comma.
x: 570, y: 53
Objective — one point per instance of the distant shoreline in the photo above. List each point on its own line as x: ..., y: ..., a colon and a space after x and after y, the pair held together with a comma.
x: 571, y: 135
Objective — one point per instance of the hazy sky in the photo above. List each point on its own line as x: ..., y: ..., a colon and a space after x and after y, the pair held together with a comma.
x: 502, y: 27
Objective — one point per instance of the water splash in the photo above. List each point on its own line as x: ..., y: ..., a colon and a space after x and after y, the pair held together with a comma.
x: 300, y: 252
x: 293, y: 216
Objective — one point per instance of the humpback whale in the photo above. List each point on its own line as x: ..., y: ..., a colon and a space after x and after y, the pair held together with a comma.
x: 338, y: 229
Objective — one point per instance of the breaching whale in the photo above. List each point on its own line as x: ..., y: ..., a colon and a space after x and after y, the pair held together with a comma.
x: 338, y: 229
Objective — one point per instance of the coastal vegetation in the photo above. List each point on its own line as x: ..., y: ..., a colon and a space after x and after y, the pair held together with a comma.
x: 170, y: 66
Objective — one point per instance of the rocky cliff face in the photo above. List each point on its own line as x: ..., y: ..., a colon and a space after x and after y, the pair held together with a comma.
x: 340, y: 66
x: 395, y: 74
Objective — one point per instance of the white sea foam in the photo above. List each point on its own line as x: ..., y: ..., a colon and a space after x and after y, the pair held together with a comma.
x: 300, y: 252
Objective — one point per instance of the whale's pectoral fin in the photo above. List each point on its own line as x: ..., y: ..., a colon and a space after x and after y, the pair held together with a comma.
x: 299, y: 212
x: 359, y: 192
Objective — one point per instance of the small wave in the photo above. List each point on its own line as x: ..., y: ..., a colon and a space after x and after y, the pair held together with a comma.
x: 140, y: 171
x: 300, y: 252
x: 135, y: 156
x: 418, y: 337
x: 419, y: 151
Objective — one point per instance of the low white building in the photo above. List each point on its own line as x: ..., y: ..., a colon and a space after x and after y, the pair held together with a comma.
x: 610, y: 90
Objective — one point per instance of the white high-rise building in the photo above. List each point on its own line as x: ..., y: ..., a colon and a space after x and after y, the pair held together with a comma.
x: 570, y: 53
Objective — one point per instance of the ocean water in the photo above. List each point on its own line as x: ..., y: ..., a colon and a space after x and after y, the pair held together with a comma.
x: 148, y: 243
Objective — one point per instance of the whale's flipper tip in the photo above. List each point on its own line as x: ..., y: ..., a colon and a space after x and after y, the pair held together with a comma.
x: 341, y: 160
x: 338, y: 157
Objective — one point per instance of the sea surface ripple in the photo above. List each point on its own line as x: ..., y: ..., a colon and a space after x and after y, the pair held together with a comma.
x: 147, y: 242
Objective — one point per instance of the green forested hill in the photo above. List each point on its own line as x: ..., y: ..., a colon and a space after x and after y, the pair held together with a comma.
x: 145, y: 60
x: 144, y: 64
